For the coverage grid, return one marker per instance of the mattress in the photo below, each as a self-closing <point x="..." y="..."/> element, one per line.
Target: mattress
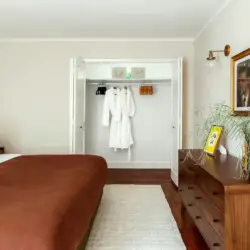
<point x="47" y="202"/>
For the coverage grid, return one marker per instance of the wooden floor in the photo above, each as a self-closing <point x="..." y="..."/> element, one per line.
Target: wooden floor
<point x="138" y="176"/>
<point x="190" y="235"/>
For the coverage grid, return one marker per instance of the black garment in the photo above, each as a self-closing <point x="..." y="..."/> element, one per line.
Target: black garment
<point x="101" y="90"/>
<point x="240" y="99"/>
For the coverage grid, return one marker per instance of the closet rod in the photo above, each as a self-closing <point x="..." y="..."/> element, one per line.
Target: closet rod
<point x="127" y="81"/>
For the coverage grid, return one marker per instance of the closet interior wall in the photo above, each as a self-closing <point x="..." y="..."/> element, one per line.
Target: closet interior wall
<point x="151" y="125"/>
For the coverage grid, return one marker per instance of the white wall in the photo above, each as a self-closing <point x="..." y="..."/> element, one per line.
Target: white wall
<point x="151" y="125"/>
<point x="213" y="85"/>
<point x="34" y="88"/>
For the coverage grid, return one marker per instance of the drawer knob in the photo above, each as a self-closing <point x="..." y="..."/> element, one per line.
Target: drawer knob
<point x="181" y="190"/>
<point x="190" y="188"/>
<point x="215" y="193"/>
<point x="216" y="220"/>
<point x="216" y="244"/>
<point x="198" y="197"/>
<point x="190" y="204"/>
<point x="198" y="217"/>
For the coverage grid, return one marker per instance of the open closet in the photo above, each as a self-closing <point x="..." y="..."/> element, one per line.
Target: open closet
<point x="156" y="123"/>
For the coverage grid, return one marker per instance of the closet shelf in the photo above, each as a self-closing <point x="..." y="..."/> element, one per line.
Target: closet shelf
<point x="128" y="81"/>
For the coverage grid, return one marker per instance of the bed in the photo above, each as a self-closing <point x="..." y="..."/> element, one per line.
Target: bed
<point x="48" y="202"/>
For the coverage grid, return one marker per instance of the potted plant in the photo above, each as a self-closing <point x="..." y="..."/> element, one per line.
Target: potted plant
<point x="235" y="128"/>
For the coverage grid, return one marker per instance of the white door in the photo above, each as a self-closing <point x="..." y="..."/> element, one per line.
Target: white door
<point x="79" y="91"/>
<point x="177" y="118"/>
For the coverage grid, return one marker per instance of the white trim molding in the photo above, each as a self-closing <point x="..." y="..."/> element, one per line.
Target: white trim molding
<point x="131" y="60"/>
<point x="212" y="18"/>
<point x="72" y="65"/>
<point x="82" y="40"/>
<point x="175" y="178"/>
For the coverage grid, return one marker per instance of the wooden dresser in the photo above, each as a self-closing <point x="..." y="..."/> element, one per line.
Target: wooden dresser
<point x="216" y="200"/>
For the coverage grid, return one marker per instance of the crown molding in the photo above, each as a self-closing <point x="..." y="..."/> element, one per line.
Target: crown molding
<point x="64" y="39"/>
<point x="212" y="18"/>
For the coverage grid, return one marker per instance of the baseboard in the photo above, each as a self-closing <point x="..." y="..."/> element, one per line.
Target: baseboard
<point x="139" y="165"/>
<point x="138" y="176"/>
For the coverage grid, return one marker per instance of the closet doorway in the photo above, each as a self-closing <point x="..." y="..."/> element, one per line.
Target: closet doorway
<point x="156" y="124"/>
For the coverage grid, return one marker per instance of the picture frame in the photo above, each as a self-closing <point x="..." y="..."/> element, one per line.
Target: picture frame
<point x="213" y="139"/>
<point x="138" y="72"/>
<point x="240" y="83"/>
<point x="119" y="73"/>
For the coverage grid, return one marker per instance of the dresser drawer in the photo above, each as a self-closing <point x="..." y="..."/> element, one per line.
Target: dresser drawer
<point x="192" y="196"/>
<point x="187" y="195"/>
<point x="188" y="173"/>
<point x="212" y="189"/>
<point x="210" y="212"/>
<point x="212" y="238"/>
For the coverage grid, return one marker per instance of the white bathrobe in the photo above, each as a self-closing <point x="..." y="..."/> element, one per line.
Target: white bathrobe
<point x="127" y="112"/>
<point x="120" y="105"/>
<point x="112" y="106"/>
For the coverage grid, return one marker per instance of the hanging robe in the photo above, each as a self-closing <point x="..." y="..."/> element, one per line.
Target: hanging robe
<point x="112" y="106"/>
<point x="127" y="112"/>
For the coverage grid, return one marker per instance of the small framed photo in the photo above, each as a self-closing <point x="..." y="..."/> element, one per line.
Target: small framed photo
<point x="119" y="73"/>
<point x="240" y="83"/>
<point x="138" y="73"/>
<point x="213" y="139"/>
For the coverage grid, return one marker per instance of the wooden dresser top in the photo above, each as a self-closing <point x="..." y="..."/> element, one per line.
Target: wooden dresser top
<point x="225" y="169"/>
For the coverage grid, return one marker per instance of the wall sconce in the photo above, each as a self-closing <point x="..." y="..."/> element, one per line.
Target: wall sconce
<point x="212" y="58"/>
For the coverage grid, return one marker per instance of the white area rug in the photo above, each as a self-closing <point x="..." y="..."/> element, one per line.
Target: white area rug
<point x="133" y="217"/>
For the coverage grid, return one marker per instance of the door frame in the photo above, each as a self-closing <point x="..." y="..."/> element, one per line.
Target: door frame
<point x="72" y="75"/>
<point x="179" y="125"/>
<point x="72" y="93"/>
<point x="72" y="81"/>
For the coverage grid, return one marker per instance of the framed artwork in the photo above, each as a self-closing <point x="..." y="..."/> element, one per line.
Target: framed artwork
<point x="240" y="83"/>
<point x="119" y="72"/>
<point x="138" y="72"/>
<point x="213" y="139"/>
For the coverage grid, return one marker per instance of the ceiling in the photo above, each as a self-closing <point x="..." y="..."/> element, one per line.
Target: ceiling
<point x="105" y="18"/>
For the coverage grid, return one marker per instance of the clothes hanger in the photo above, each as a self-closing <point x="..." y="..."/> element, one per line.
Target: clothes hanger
<point x="101" y="89"/>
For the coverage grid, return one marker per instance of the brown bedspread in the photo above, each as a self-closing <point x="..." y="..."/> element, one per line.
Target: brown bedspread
<point x="47" y="202"/>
